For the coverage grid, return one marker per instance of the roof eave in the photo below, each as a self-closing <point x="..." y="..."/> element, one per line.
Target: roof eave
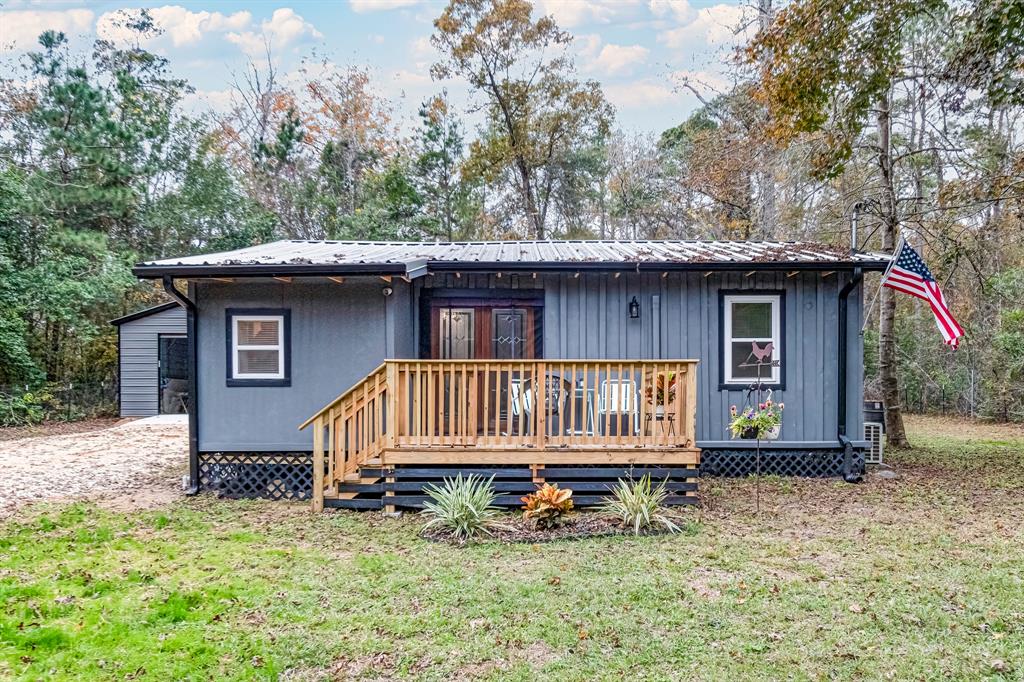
<point x="420" y="268"/>
<point x="267" y="270"/>
<point x="117" y="322"/>
<point x="649" y="266"/>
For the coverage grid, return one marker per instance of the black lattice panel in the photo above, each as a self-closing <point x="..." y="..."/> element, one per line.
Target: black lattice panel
<point x="806" y="463"/>
<point x="263" y="475"/>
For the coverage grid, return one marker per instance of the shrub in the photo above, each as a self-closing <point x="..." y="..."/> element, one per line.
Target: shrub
<point x="640" y="505"/>
<point x="548" y="507"/>
<point x="464" y="506"/>
<point x="23" y="409"/>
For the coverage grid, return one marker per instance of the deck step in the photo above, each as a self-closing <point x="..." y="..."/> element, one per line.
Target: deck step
<point x="375" y="487"/>
<point x="355" y="503"/>
<point x="514" y="501"/>
<point x="528" y="486"/>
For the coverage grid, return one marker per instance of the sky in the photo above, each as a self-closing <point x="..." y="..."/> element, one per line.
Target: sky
<point x="641" y="51"/>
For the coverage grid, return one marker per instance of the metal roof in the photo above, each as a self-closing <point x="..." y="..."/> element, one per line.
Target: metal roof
<point x="144" y="313"/>
<point x="417" y="258"/>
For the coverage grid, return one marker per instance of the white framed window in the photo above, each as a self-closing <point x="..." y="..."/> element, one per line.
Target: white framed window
<point x="258" y="347"/>
<point x="749" y="319"/>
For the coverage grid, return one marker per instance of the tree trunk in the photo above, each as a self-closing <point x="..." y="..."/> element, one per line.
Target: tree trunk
<point x="767" y="214"/>
<point x="895" y="434"/>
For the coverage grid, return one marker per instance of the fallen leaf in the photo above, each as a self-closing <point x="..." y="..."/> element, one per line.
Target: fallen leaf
<point x="856" y="608"/>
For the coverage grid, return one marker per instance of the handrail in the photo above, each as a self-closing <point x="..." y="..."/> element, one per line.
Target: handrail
<point x="326" y="408"/>
<point x="504" y="411"/>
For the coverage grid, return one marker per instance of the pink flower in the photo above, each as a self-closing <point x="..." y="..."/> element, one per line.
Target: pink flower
<point x="732" y="410"/>
<point x="782" y="406"/>
<point x="768" y="402"/>
<point x="760" y="406"/>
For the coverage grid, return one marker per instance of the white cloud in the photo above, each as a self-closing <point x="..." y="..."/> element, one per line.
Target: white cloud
<point x="587" y="46"/>
<point x="679" y="10"/>
<point x="615" y="60"/>
<point x="412" y="80"/>
<point x="641" y="94"/>
<point x="207" y="101"/>
<point x="376" y="38"/>
<point x="714" y="26"/>
<point x="21" y="28"/>
<point x="284" y="28"/>
<point x="572" y="13"/>
<point x="182" y="26"/>
<point x="363" y="6"/>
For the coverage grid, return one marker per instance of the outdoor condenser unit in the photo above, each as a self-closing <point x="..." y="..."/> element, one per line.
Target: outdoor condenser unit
<point x="874" y="435"/>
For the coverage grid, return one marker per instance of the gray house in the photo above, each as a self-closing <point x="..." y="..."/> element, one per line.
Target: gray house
<point x="573" y="361"/>
<point x="152" y="361"/>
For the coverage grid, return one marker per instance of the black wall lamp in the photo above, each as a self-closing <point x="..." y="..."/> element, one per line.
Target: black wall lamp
<point x="634" y="309"/>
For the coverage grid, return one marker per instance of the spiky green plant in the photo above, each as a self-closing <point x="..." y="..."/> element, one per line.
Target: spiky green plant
<point x="464" y="506"/>
<point x="640" y="505"/>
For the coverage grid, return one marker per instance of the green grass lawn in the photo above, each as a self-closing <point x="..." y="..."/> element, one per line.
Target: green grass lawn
<point x="921" y="577"/>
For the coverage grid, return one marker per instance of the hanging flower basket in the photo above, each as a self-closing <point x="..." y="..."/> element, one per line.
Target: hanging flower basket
<point x="764" y="422"/>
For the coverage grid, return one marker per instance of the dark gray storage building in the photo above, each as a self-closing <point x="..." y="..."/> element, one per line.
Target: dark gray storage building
<point x="153" y="361"/>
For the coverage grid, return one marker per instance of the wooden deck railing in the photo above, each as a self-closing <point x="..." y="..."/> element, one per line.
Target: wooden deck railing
<point x="506" y="412"/>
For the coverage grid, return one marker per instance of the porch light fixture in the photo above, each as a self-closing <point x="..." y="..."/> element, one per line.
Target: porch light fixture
<point x="634" y="309"/>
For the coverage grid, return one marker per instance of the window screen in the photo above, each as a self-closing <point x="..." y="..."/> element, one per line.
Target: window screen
<point x="751" y="320"/>
<point x="258" y="347"/>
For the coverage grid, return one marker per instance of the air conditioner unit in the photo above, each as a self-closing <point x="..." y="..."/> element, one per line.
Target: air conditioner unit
<point x="874" y="435"/>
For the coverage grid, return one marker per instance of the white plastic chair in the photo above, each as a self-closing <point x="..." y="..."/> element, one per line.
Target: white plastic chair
<point x="520" y="399"/>
<point x="618" y="397"/>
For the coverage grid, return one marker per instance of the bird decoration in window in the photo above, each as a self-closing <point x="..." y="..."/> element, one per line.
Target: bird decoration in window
<point x="761" y="356"/>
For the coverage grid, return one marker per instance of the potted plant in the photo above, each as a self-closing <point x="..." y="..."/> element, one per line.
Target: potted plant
<point x="662" y="393"/>
<point x="764" y="422"/>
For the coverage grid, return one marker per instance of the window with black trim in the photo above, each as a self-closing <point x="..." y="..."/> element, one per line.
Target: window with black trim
<point x="258" y="352"/>
<point x="751" y="320"/>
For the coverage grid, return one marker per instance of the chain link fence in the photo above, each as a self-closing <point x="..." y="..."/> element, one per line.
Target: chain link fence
<point x="21" y="405"/>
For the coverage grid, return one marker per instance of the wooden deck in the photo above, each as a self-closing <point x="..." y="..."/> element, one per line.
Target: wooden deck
<point x="532" y="413"/>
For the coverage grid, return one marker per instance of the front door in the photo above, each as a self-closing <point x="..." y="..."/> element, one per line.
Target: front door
<point x="484" y="330"/>
<point x="487" y="329"/>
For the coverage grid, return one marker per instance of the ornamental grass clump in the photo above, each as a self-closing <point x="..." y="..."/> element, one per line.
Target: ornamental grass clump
<point x="462" y="506"/>
<point x="640" y="506"/>
<point x="548" y="507"/>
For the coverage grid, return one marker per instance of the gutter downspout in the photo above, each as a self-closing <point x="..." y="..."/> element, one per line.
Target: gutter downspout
<point x="841" y="410"/>
<point x="193" y="382"/>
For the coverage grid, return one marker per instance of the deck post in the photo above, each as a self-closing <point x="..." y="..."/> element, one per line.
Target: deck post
<point x="391" y="418"/>
<point x="540" y="409"/>
<point x="391" y="421"/>
<point x="690" y="418"/>
<point x="318" y="465"/>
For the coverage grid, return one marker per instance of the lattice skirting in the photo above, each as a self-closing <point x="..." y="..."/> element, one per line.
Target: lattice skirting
<point x="264" y="475"/>
<point x="808" y="463"/>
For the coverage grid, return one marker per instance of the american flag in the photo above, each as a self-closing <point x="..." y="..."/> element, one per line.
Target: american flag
<point x="909" y="274"/>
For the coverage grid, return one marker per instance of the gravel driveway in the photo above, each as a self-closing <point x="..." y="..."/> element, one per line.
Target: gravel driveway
<point x="133" y="465"/>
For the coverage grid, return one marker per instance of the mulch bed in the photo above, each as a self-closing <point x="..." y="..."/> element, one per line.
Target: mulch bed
<point x="56" y="428"/>
<point x="577" y="527"/>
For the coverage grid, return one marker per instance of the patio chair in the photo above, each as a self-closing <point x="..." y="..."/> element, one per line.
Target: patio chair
<point x="521" y="398"/>
<point x="618" y="399"/>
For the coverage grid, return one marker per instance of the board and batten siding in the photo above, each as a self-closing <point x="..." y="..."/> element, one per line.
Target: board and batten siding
<point x="339" y="333"/>
<point x="139" y="360"/>
<point x="586" y="317"/>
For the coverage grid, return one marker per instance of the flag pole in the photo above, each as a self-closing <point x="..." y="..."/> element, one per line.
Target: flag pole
<point x="874" y="299"/>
